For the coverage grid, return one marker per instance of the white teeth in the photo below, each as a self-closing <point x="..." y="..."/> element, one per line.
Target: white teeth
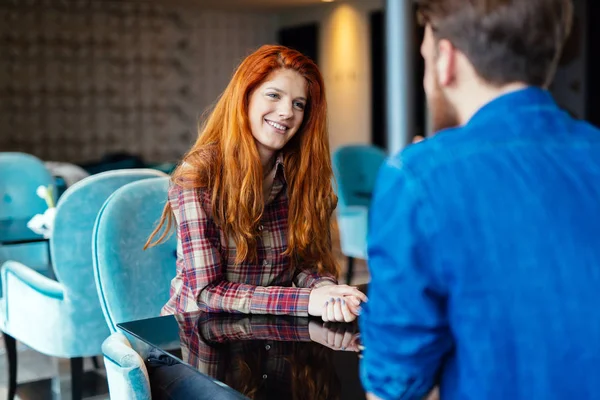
<point x="276" y="125"/>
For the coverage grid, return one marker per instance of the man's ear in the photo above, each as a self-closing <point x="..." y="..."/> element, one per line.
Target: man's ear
<point x="446" y="62"/>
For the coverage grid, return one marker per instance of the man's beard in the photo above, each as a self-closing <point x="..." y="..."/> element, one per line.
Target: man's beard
<point x="443" y="112"/>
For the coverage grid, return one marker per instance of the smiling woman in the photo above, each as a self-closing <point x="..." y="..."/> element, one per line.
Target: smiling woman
<point x="252" y="202"/>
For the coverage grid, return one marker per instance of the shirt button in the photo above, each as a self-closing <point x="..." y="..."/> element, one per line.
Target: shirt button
<point x="260" y="228"/>
<point x="264" y="376"/>
<point x="268" y="347"/>
<point x="265" y="263"/>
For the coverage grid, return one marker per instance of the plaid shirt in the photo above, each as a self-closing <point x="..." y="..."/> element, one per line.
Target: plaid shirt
<point x="207" y="278"/>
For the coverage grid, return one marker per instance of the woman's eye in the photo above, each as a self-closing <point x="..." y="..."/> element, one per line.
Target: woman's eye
<point x="273" y="95"/>
<point x="299" y="106"/>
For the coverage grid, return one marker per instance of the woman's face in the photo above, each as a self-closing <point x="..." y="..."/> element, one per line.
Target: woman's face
<point x="276" y="111"/>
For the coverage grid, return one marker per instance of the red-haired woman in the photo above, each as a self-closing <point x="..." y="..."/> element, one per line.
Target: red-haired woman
<point x="253" y="198"/>
<point x="252" y="201"/>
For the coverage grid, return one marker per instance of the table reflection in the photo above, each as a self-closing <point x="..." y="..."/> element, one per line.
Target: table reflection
<point x="266" y="357"/>
<point x="16" y="231"/>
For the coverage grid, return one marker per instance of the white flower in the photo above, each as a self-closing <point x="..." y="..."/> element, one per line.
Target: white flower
<point x="42" y="192"/>
<point x="43" y="224"/>
<point x="45" y="193"/>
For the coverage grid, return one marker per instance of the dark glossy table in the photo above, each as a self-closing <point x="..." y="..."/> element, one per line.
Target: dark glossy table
<point x="262" y="357"/>
<point x="15" y="232"/>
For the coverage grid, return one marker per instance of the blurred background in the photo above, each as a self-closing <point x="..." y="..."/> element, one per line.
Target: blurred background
<point x="82" y="80"/>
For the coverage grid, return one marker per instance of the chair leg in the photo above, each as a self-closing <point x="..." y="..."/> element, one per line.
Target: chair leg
<point x="76" y="378"/>
<point x="96" y="362"/>
<point x="11" y="352"/>
<point x="350" y="270"/>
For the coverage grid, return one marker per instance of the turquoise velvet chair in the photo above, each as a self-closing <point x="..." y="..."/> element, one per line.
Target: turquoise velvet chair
<point x="355" y="169"/>
<point x="20" y="176"/>
<point x="63" y="317"/>
<point x="132" y="283"/>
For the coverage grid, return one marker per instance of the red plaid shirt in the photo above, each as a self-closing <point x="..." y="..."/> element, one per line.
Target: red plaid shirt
<point x="207" y="278"/>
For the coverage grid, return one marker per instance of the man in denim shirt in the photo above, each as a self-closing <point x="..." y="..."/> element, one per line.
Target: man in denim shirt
<point x="484" y="241"/>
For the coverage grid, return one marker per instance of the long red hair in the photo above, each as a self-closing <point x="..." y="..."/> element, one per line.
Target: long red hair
<point x="225" y="160"/>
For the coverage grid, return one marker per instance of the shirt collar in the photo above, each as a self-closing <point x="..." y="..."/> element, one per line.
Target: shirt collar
<point x="279" y="181"/>
<point x="507" y="103"/>
<point x="280" y="170"/>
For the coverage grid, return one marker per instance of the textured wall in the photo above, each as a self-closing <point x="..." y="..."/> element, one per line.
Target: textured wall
<point x="82" y="78"/>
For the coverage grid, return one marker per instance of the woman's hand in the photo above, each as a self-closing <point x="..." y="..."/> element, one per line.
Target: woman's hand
<point x="337" y="309"/>
<point x="339" y="303"/>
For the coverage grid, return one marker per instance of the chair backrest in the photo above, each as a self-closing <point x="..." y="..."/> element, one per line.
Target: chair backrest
<point x="355" y="169"/>
<point x="71" y="241"/>
<point x="133" y="283"/>
<point x="20" y="176"/>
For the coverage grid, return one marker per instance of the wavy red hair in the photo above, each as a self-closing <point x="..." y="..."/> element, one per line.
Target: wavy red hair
<point x="225" y="160"/>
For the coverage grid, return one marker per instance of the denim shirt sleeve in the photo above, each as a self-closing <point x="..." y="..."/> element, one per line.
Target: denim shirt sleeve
<point x="403" y="327"/>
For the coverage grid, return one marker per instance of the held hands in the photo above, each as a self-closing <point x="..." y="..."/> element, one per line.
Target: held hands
<point x="336" y="303"/>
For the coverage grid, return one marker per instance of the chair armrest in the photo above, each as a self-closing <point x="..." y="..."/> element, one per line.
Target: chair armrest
<point x="38" y="282"/>
<point x="125" y="369"/>
<point x="118" y="349"/>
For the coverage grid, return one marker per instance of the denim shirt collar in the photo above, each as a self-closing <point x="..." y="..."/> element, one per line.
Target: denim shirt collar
<point x="510" y="102"/>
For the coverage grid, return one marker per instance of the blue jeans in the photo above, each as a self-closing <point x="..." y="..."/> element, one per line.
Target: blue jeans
<point x="172" y="380"/>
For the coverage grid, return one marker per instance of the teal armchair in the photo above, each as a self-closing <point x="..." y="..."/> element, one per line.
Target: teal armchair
<point x="355" y="169"/>
<point x="132" y="283"/>
<point x="20" y="176"/>
<point x="63" y="317"/>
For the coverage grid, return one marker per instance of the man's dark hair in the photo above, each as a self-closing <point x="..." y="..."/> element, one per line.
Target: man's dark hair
<point x="506" y="41"/>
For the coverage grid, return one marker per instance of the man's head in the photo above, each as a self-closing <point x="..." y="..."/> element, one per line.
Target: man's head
<point x="475" y="50"/>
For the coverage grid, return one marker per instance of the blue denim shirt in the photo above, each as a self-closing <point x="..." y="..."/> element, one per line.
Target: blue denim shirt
<point x="484" y="253"/>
